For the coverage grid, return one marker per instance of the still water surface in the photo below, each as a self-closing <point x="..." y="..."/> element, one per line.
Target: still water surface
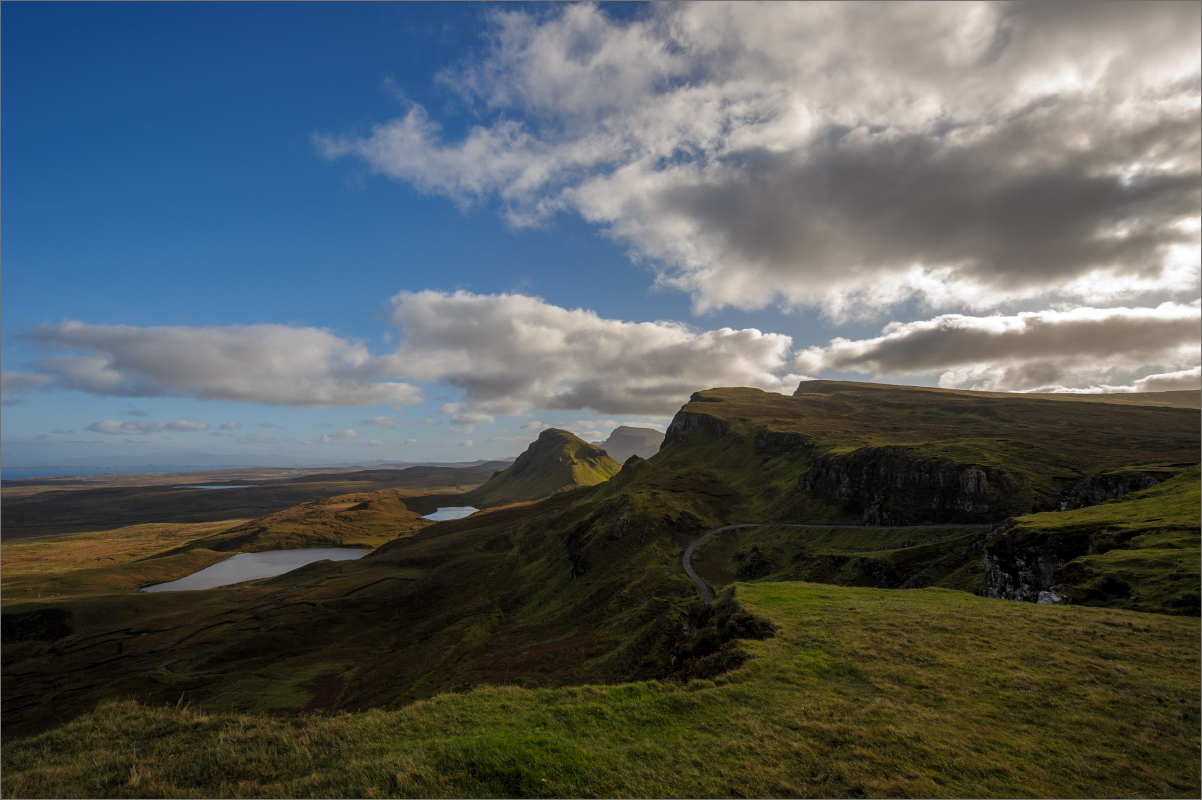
<point x="451" y="512"/>
<point x="251" y="566"/>
<point x="243" y="486"/>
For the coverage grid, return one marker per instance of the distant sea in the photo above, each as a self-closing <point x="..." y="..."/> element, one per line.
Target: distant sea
<point x="83" y="472"/>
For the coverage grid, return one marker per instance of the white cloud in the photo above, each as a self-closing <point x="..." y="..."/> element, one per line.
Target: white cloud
<point x="1186" y="379"/>
<point x="114" y="427"/>
<point x="331" y="438"/>
<point x="849" y="156"/>
<point x="259" y="363"/>
<point x="534" y="425"/>
<point x="230" y="426"/>
<point x="472" y="419"/>
<point x="272" y="425"/>
<point x="509" y="353"/>
<point x="383" y="422"/>
<point x="1029" y="351"/>
<point x="467" y="443"/>
<point x="411" y="441"/>
<point x="258" y="438"/>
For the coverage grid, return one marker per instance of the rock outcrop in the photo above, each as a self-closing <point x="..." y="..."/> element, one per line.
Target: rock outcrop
<point x="1097" y="489"/>
<point x="889" y="486"/>
<point x="685" y="423"/>
<point x="1027" y="568"/>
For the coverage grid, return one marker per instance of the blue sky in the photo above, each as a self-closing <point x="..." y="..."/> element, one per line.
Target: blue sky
<point x="462" y="219"/>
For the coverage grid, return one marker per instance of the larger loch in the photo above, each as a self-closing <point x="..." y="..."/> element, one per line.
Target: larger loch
<point x="252" y="566"/>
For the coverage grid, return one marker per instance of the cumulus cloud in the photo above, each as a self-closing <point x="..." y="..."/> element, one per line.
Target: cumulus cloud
<point x="114" y="427"/>
<point x="1040" y="351"/>
<point x="534" y="425"/>
<point x="14" y="383"/>
<point x="1185" y="379"/>
<point x="331" y="438"/>
<point x="229" y="426"/>
<point x="509" y="353"/>
<point x="849" y="156"/>
<point x="260" y="363"/>
<point x="383" y="422"/>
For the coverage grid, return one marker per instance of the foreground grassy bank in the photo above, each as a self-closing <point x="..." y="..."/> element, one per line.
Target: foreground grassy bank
<point x="861" y="692"/>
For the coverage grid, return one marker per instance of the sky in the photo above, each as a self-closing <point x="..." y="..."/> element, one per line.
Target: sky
<point x="424" y="232"/>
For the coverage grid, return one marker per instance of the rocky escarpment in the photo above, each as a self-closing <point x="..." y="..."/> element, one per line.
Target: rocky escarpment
<point x="1027" y="568"/>
<point x="1097" y="489"/>
<point x="685" y="423"/>
<point x="889" y="486"/>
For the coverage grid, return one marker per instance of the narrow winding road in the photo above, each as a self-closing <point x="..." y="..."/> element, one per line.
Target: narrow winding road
<point x="708" y="598"/>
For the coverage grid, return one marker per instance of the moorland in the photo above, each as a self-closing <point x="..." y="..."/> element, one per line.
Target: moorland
<point x="998" y="596"/>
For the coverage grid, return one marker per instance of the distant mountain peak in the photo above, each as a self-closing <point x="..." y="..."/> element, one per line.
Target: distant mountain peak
<point x="628" y="440"/>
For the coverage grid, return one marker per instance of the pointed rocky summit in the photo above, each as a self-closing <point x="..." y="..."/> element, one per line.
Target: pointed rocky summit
<point x="556" y="461"/>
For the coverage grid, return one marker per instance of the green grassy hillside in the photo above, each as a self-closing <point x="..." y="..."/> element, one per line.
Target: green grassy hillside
<point x="583" y="587"/>
<point x="556" y="461"/>
<point x="861" y="692"/>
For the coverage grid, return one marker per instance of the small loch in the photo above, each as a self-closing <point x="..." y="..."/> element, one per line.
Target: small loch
<point x="252" y="566"/>
<point x="451" y="512"/>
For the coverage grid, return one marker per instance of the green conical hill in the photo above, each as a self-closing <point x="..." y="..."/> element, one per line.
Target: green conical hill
<point x="557" y="460"/>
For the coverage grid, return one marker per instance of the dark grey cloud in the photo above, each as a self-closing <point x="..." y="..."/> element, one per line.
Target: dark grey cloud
<point x="13" y="384"/>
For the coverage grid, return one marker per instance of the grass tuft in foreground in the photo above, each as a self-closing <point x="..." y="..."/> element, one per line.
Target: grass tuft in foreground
<point x="928" y="692"/>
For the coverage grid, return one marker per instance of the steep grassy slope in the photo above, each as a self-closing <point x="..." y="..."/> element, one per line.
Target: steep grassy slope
<point x="861" y="692"/>
<point x="56" y="512"/>
<point x="556" y="461"/>
<point x="886" y="558"/>
<point x="1141" y="552"/>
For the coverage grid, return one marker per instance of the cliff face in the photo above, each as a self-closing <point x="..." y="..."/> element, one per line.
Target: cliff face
<point x="889" y="486"/>
<point x="1027" y="568"/>
<point x="1097" y="489"/>
<point x="686" y="422"/>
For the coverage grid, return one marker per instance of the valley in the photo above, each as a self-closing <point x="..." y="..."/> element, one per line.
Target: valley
<point x="912" y="613"/>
